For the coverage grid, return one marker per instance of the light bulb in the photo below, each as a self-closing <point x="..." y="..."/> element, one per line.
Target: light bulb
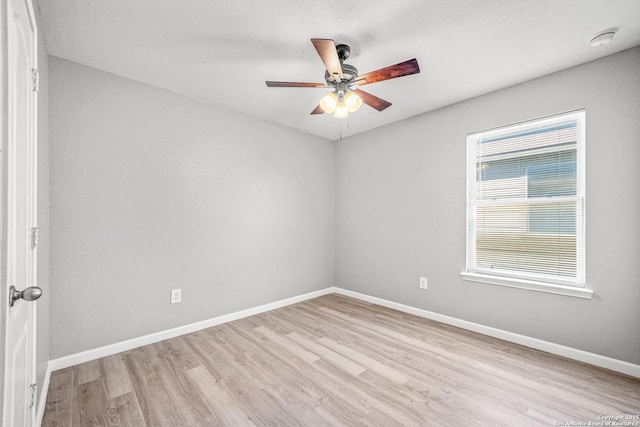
<point x="329" y="102"/>
<point x="353" y="101"/>
<point x="341" y="111"/>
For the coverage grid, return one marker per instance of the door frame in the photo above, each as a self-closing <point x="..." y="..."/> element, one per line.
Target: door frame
<point x="5" y="65"/>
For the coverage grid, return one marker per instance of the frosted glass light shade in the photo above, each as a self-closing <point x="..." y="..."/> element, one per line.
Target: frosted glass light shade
<point x="353" y="101"/>
<point x="329" y="102"/>
<point x="341" y="111"/>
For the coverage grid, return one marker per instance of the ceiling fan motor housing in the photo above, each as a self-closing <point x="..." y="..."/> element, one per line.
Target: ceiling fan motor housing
<point x="343" y="51"/>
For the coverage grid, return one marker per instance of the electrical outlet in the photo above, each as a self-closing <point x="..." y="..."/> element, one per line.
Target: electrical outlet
<point x="176" y="296"/>
<point x="423" y="283"/>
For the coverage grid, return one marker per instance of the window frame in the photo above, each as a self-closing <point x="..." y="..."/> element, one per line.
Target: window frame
<point x="571" y="287"/>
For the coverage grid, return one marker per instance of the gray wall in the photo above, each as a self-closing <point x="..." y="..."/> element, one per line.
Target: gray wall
<point x="152" y="191"/>
<point x="400" y="210"/>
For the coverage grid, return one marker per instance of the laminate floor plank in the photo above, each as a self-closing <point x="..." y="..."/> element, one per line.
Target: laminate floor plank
<point x="60" y="393"/>
<point x="90" y="409"/>
<point x="318" y="395"/>
<point x="187" y="401"/>
<point x="223" y="406"/>
<point x="341" y="362"/>
<point x="125" y="411"/>
<point x="364" y="360"/>
<point x="275" y="377"/>
<point x="156" y="405"/>
<point x="246" y="386"/>
<point x="87" y="372"/>
<point x="372" y="399"/>
<point x="59" y="399"/>
<point x="288" y="345"/>
<point x="332" y="398"/>
<point x="116" y="377"/>
<point x="330" y="379"/>
<point x="335" y="361"/>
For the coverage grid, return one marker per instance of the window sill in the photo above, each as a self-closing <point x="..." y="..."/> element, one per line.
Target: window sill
<point x="572" y="291"/>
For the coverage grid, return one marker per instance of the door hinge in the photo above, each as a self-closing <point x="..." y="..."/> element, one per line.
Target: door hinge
<point x="34" y="237"/>
<point x="36" y="79"/>
<point x="34" y="392"/>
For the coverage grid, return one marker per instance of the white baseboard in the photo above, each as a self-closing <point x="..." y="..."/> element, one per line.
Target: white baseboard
<point x="42" y="400"/>
<point x="557" y="349"/>
<point x="560" y="350"/>
<point x="108" y="350"/>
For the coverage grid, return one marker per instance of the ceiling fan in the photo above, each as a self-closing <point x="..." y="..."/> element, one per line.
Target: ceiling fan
<point x="346" y="96"/>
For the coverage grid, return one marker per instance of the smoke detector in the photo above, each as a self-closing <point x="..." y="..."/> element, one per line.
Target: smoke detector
<point x="603" y="38"/>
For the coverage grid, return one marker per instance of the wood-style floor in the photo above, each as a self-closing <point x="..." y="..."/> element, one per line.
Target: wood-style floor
<point x="336" y="361"/>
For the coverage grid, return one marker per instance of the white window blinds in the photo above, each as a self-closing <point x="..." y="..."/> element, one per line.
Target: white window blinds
<point x="525" y="201"/>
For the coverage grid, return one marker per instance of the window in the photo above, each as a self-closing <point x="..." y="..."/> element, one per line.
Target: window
<point x="525" y="205"/>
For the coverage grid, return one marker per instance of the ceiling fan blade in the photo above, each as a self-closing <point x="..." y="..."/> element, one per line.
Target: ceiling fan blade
<point x="294" y="84"/>
<point x="327" y="50"/>
<point x="372" y="100"/>
<point x="318" y="110"/>
<point x="405" y="68"/>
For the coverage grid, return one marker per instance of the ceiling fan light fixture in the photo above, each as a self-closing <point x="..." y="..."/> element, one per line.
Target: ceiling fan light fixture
<point x="329" y="102"/>
<point x="346" y="97"/>
<point x="353" y="101"/>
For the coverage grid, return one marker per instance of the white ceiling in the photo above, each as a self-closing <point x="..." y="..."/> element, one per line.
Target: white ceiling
<point x="222" y="51"/>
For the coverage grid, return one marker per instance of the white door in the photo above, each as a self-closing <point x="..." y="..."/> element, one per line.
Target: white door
<point x="19" y="213"/>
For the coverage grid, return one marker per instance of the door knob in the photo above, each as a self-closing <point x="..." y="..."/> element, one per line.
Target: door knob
<point x="31" y="293"/>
